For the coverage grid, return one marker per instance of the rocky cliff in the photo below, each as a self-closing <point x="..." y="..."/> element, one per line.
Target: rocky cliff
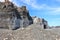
<point x="13" y="17"/>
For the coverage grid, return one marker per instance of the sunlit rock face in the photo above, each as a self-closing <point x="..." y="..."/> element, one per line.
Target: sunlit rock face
<point x="12" y="17"/>
<point x="4" y="0"/>
<point x="42" y="22"/>
<point x="8" y="16"/>
<point x="26" y="18"/>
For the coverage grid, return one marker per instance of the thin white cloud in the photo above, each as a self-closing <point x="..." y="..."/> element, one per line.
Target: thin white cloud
<point x="1" y="0"/>
<point x="11" y="1"/>
<point x="35" y="5"/>
<point x="53" y="11"/>
<point x="4" y="0"/>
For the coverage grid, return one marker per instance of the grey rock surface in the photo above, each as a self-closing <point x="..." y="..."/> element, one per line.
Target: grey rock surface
<point x="10" y="16"/>
<point x="33" y="32"/>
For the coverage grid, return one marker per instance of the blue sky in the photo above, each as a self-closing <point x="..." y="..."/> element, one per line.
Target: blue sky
<point x="47" y="9"/>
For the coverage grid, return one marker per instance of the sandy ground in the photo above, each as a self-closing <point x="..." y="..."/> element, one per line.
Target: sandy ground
<point x="33" y="32"/>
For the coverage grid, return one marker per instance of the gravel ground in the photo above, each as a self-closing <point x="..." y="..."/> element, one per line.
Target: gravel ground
<point x="33" y="32"/>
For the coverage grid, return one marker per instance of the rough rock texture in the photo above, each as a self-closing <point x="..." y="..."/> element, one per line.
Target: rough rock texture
<point x="33" y="32"/>
<point x="24" y="13"/>
<point x="12" y="18"/>
<point x="43" y="23"/>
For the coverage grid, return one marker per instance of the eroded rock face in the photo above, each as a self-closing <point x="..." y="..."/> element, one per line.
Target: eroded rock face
<point x="43" y="23"/>
<point x="26" y="18"/>
<point x="13" y="18"/>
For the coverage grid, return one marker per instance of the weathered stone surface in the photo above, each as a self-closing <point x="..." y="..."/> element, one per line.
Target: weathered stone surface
<point x="26" y="18"/>
<point x="13" y="17"/>
<point x="43" y="23"/>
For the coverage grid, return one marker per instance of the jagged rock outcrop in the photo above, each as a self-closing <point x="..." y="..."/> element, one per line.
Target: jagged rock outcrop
<point x="13" y="17"/>
<point x="43" y="23"/>
<point x="24" y="13"/>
